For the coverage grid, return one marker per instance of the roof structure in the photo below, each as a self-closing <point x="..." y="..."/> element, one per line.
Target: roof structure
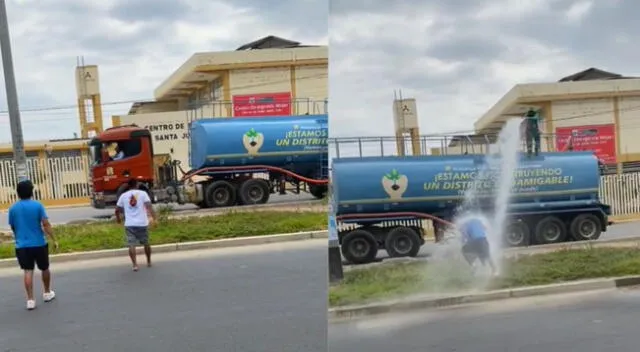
<point x="592" y="74"/>
<point x="269" y="42"/>
<point x="270" y="51"/>
<point x="590" y="83"/>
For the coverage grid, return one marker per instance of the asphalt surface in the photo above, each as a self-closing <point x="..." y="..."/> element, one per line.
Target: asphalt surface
<point x="66" y="215"/>
<point x="586" y="322"/>
<point x="260" y="298"/>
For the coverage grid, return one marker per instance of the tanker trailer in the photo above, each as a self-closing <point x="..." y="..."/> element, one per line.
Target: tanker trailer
<point x="227" y="156"/>
<point x="383" y="202"/>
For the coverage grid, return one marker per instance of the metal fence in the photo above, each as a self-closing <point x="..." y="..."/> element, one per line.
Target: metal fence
<point x="439" y="145"/>
<point x="622" y="192"/>
<point x="428" y="145"/>
<point x="54" y="178"/>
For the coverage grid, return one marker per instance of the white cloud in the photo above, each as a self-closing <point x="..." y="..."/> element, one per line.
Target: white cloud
<point x="578" y="11"/>
<point x="510" y="9"/>
<point x="136" y="44"/>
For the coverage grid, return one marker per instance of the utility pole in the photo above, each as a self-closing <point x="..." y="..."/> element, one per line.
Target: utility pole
<point x="19" y="156"/>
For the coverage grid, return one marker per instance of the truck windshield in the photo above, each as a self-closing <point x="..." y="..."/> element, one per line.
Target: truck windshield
<point x="96" y="154"/>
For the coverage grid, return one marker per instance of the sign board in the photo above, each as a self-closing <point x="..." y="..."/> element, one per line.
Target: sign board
<point x="405" y="114"/>
<point x="268" y="104"/>
<point x="168" y="130"/>
<point x="87" y="81"/>
<point x="600" y="139"/>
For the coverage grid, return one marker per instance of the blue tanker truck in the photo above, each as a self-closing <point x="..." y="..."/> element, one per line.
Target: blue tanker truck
<point x="233" y="161"/>
<point x="382" y="202"/>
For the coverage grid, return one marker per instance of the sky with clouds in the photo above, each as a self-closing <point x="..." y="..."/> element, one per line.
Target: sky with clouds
<point x="136" y="44"/>
<point x="458" y="57"/>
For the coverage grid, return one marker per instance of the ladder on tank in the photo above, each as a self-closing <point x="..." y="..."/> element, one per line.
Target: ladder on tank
<point x="324" y="166"/>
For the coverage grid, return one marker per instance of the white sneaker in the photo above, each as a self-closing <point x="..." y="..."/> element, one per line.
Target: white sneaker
<point x="48" y="297"/>
<point x="31" y="304"/>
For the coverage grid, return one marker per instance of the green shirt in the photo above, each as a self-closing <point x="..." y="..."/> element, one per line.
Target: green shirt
<point x="533" y="121"/>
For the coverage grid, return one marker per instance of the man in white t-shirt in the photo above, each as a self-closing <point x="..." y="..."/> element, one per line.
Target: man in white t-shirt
<point x="138" y="211"/>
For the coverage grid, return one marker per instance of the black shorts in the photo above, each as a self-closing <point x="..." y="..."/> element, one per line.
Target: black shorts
<point x="29" y="257"/>
<point x="479" y="248"/>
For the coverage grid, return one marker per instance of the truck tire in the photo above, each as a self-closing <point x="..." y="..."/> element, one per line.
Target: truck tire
<point x="318" y="191"/>
<point x="517" y="234"/>
<point x="254" y="191"/>
<point x="149" y="193"/>
<point x="586" y="227"/>
<point x="359" y="247"/>
<point x="220" y="194"/>
<point x="550" y="230"/>
<point x="123" y="188"/>
<point x="402" y="242"/>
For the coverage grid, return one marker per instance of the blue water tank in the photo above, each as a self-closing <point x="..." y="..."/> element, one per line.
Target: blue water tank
<point x="429" y="184"/>
<point x="275" y="141"/>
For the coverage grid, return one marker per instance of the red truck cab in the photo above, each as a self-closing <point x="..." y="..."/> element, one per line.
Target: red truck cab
<point x="117" y="155"/>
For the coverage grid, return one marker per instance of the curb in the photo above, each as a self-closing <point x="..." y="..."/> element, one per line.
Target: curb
<point x="425" y="303"/>
<point x="619" y="219"/>
<point x="625" y="220"/>
<point x="184" y="246"/>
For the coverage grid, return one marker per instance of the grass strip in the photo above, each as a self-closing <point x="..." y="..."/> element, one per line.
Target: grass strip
<point x="109" y="235"/>
<point x="387" y="281"/>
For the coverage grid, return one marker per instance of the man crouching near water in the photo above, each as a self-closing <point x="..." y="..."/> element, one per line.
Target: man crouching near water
<point x="475" y="243"/>
<point x="138" y="215"/>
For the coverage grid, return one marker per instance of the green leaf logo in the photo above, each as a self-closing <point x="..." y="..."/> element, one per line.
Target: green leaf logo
<point x="394" y="176"/>
<point x="251" y="134"/>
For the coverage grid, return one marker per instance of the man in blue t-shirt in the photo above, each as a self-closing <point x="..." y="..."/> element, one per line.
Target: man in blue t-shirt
<point x="476" y="246"/>
<point x="29" y="223"/>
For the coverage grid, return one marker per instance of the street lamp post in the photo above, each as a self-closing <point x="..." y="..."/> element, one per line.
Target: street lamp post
<point x="19" y="155"/>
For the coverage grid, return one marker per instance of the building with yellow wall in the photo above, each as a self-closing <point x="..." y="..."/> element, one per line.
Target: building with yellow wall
<point x="605" y="104"/>
<point x="289" y="78"/>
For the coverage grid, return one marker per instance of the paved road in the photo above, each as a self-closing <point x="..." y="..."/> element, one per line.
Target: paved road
<point x="65" y="215"/>
<point x="586" y="322"/>
<point x="254" y="299"/>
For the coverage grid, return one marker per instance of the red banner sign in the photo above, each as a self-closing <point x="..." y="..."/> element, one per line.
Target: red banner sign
<point x="269" y="104"/>
<point x="600" y="139"/>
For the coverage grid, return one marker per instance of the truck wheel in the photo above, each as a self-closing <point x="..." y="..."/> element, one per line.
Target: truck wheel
<point x="149" y="193"/>
<point x="123" y="188"/>
<point x="220" y="194"/>
<point x="318" y="191"/>
<point x="254" y="191"/>
<point x="551" y="230"/>
<point x="359" y="247"/>
<point x="402" y="242"/>
<point x="586" y="227"/>
<point x="517" y="234"/>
